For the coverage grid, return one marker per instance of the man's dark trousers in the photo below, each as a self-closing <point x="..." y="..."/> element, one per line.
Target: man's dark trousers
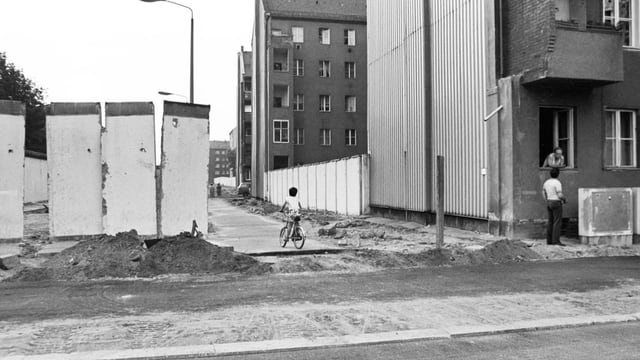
<point x="554" y="209"/>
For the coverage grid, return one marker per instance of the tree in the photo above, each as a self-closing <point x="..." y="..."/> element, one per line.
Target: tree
<point x="14" y="85"/>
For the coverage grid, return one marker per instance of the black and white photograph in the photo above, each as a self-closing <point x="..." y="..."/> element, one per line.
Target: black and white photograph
<point x="319" y="179"/>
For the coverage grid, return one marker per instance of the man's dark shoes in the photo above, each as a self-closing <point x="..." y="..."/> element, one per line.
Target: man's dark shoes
<point x="560" y="244"/>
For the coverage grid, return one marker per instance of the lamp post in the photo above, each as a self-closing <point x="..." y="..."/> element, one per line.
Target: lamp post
<point x="166" y="93"/>
<point x="191" y="57"/>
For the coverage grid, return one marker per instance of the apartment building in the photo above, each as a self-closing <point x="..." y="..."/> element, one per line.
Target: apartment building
<point x="218" y="160"/>
<point x="243" y="133"/>
<point x="309" y="84"/>
<point x="494" y="86"/>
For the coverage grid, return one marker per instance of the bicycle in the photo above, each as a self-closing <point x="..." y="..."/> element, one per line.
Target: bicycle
<point x="298" y="235"/>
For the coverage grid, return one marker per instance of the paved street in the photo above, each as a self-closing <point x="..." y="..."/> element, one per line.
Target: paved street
<point x="249" y="233"/>
<point x="618" y="341"/>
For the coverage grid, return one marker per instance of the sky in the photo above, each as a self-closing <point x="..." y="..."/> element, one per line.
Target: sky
<point x="128" y="50"/>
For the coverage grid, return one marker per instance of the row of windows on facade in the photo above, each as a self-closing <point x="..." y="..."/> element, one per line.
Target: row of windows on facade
<point x="558" y="129"/>
<point x="281" y="100"/>
<point x="280" y="63"/>
<point x="324" y="35"/>
<point x="219" y="152"/>
<point x="623" y="14"/>
<point x="281" y="135"/>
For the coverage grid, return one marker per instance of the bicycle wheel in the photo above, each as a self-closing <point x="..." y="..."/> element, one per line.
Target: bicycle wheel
<point x="298" y="238"/>
<point x="283" y="237"/>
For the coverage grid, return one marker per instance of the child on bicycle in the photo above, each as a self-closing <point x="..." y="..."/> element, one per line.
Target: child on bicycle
<point x="292" y="207"/>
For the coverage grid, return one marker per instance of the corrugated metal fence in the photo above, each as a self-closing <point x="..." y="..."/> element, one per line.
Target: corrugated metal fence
<point x="397" y="108"/>
<point x="341" y="186"/>
<point x="458" y="56"/>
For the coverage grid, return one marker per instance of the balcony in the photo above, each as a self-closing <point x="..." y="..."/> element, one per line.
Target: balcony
<point x="590" y="57"/>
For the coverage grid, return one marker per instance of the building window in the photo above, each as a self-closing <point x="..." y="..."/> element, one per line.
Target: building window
<point x="298" y="137"/>
<point x="325" y="68"/>
<point x="298" y="102"/>
<point x="325" y="137"/>
<point x="276" y="32"/>
<point x="350" y="137"/>
<point x="625" y="15"/>
<point x="217" y="159"/>
<point x="350" y="37"/>
<point x="217" y="166"/>
<point x="325" y="36"/>
<point x="247" y="131"/>
<point x="299" y="67"/>
<point x="325" y="103"/>
<point x="280" y="162"/>
<point x="350" y="70"/>
<point x="281" y="131"/>
<point x="557" y="129"/>
<point x="563" y="10"/>
<point x="620" y="139"/>
<point x="298" y="34"/>
<point x="350" y="103"/>
<point x="280" y="96"/>
<point x="217" y="172"/>
<point x="281" y="60"/>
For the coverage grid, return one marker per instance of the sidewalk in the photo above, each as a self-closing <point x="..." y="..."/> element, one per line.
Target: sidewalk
<point x="253" y="234"/>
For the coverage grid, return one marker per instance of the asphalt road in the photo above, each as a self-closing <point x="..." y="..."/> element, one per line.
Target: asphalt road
<point x="24" y="302"/>
<point x="618" y="341"/>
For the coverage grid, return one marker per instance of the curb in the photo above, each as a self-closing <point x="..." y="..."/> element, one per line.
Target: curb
<point x="300" y="252"/>
<point x="270" y="346"/>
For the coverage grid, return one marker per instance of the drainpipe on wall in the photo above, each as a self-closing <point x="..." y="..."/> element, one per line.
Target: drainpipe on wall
<point x="267" y="107"/>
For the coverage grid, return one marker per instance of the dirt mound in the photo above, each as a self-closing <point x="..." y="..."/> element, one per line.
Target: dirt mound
<point x="503" y="251"/>
<point x="500" y="252"/>
<point x="123" y="256"/>
<point x="363" y="260"/>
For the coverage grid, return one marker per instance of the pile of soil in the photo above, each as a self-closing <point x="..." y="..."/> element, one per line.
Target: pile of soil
<point x="500" y="252"/>
<point x="503" y="251"/>
<point x="123" y="256"/>
<point x="254" y="206"/>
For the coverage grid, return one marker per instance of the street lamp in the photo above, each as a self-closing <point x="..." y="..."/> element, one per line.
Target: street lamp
<point x="166" y="93"/>
<point x="191" y="67"/>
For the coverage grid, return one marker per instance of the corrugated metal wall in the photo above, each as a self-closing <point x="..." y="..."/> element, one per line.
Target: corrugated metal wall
<point x="397" y="107"/>
<point x="415" y="114"/>
<point x="458" y="59"/>
<point x="337" y="186"/>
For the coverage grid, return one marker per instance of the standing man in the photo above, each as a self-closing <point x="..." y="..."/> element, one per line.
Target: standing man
<point x="552" y="191"/>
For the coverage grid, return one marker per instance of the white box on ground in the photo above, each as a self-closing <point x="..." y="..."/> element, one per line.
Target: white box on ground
<point x="12" y="123"/>
<point x="128" y="169"/>
<point x="184" y="170"/>
<point x="75" y="171"/>
<point x="606" y="216"/>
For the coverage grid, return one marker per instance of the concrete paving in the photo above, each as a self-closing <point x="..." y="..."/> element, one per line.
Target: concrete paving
<point x="252" y="234"/>
<point x="615" y="341"/>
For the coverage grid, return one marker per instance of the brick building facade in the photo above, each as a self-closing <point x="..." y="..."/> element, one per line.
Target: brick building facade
<point x="309" y="84"/>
